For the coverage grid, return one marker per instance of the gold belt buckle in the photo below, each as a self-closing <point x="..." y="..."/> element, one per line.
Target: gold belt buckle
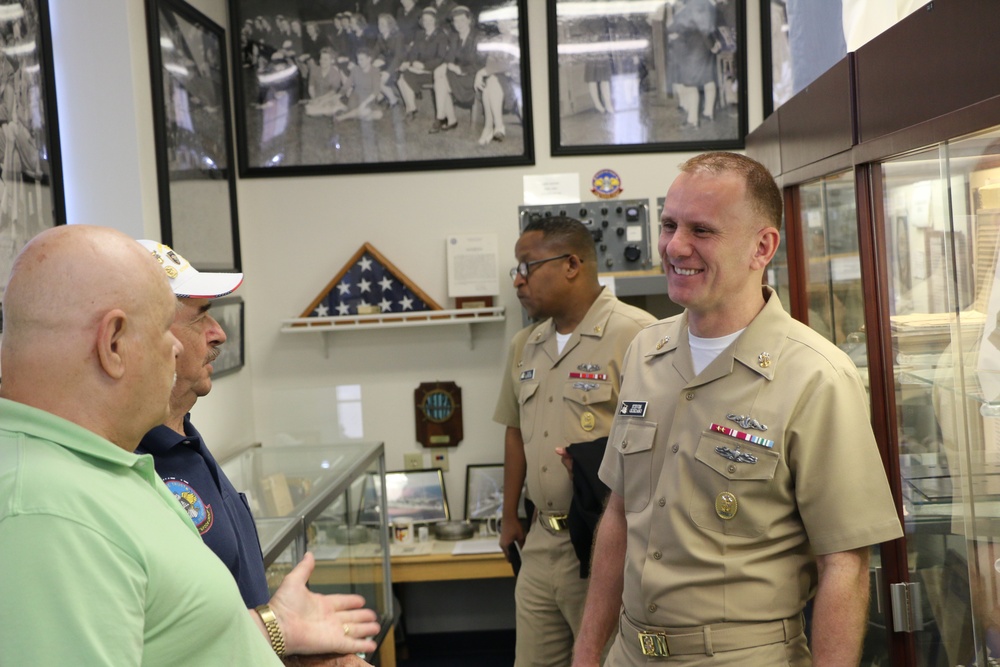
<point x="556" y="523"/>
<point x="654" y="644"/>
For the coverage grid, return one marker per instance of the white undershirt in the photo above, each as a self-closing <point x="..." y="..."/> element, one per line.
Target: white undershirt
<point x="561" y="340"/>
<point x="705" y="350"/>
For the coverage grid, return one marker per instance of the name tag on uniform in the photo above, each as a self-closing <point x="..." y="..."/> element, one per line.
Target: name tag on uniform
<point x="633" y="409"/>
<point x="528" y="375"/>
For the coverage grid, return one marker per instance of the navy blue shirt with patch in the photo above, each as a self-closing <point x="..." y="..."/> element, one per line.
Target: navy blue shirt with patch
<point x="221" y="514"/>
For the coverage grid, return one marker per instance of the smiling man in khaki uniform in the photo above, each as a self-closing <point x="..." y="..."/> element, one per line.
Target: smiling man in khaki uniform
<point x="560" y="387"/>
<point x="744" y="475"/>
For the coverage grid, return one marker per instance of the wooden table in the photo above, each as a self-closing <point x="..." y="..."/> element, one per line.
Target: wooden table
<point x="439" y="565"/>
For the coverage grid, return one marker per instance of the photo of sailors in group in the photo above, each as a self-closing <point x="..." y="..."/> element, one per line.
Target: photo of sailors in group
<point x="343" y="82"/>
<point x="647" y="72"/>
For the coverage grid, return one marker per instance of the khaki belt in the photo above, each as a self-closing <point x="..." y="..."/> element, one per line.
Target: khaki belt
<point x="554" y="523"/>
<point x="657" y="642"/>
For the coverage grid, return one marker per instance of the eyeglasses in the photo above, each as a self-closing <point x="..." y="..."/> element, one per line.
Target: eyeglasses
<point x="523" y="268"/>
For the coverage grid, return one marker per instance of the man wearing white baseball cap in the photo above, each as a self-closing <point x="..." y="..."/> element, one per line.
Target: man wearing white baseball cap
<point x="295" y="620"/>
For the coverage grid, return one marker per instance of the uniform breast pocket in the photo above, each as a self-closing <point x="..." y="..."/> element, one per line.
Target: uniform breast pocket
<point x="526" y="402"/>
<point x="587" y="410"/>
<point x="732" y="490"/>
<point x="635" y="444"/>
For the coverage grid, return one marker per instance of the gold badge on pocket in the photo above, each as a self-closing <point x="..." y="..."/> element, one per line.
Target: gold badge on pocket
<point x="587" y="421"/>
<point x="726" y="505"/>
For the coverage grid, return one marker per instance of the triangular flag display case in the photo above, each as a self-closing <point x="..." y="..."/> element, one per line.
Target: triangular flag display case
<point x="369" y="284"/>
<point x="369" y="291"/>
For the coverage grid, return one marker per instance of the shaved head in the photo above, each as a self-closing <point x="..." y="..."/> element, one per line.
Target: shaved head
<point x="87" y="313"/>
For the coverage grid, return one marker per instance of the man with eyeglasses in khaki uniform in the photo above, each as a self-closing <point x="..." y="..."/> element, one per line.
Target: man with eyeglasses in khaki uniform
<point x="560" y="387"/>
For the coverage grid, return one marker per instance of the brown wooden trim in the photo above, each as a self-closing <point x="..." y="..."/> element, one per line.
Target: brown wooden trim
<point x="875" y="273"/>
<point x="798" y="298"/>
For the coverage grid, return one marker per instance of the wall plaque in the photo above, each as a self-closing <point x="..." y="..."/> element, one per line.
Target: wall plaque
<point x="438" y="414"/>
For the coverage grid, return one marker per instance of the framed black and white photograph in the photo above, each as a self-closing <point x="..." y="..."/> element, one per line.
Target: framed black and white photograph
<point x="194" y="147"/>
<point x="418" y="495"/>
<point x="361" y="86"/>
<point x="631" y="76"/>
<point x="228" y="312"/>
<point x="31" y="191"/>
<point x="483" y="491"/>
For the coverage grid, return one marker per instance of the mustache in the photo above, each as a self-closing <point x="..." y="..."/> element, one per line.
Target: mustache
<point x="213" y="354"/>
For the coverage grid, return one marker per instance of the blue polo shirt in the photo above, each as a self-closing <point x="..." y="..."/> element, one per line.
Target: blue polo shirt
<point x="220" y="513"/>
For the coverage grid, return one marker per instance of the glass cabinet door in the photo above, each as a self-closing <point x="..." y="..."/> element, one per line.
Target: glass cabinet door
<point x="941" y="215"/>
<point x="828" y="220"/>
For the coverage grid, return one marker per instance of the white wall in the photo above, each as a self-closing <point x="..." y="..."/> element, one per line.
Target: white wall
<point x="298" y="232"/>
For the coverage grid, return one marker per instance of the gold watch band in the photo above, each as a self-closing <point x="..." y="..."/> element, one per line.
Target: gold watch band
<point x="273" y="629"/>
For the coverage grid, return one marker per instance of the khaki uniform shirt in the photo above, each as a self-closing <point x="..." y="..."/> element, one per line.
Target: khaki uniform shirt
<point x="554" y="409"/>
<point x="715" y="536"/>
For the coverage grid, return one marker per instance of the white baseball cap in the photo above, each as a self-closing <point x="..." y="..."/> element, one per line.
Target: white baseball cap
<point x="185" y="280"/>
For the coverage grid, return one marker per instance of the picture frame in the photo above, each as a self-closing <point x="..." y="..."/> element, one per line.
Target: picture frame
<point x="189" y="72"/>
<point x="305" y="105"/>
<point x="484" y="492"/>
<point x="418" y="495"/>
<point x="31" y="191"/>
<point x="635" y="76"/>
<point x="228" y="312"/>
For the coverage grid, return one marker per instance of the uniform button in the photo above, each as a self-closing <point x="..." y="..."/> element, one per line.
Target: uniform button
<point x="675" y="448"/>
<point x="657" y="555"/>
<point x="651" y="608"/>
<point x="585" y="399"/>
<point x="624" y="444"/>
<point x="545" y="468"/>
<point x="550" y="399"/>
<point x="689" y="396"/>
<point x="731" y="469"/>
<point x="662" y="501"/>
<point x="546" y="434"/>
<point x="549" y="503"/>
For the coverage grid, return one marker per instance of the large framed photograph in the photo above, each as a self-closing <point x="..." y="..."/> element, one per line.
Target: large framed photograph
<point x="630" y="76"/>
<point x="418" y="495"/>
<point x="341" y="86"/>
<point x="228" y="312"/>
<point x="31" y="189"/>
<point x="194" y="148"/>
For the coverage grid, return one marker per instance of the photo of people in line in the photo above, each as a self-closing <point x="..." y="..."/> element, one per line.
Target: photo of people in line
<point x="634" y="73"/>
<point x="342" y="82"/>
<point x="26" y="196"/>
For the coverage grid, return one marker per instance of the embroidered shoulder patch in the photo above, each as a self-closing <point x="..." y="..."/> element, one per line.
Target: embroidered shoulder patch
<point x="200" y="513"/>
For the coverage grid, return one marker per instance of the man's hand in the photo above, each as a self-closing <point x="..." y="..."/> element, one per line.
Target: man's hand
<point x="567" y="460"/>
<point x="330" y="660"/>
<point x="510" y="531"/>
<point x="314" y="623"/>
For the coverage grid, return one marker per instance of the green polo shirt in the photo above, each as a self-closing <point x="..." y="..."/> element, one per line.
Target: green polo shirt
<point x="100" y="565"/>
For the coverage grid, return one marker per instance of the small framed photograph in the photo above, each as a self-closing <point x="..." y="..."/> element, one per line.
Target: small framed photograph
<point x="228" y="312"/>
<point x="484" y="492"/>
<point x="630" y="76"/>
<point x="384" y="85"/>
<point x="418" y="495"/>
<point x="194" y="148"/>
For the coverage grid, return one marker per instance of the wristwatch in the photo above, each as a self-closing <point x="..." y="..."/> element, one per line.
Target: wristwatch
<point x="273" y="629"/>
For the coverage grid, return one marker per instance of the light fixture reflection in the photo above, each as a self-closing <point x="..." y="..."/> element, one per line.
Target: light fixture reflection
<point x="612" y="8"/>
<point x="604" y="47"/>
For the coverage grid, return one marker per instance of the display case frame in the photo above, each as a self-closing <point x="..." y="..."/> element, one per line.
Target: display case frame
<point x="293" y="490"/>
<point x="882" y="102"/>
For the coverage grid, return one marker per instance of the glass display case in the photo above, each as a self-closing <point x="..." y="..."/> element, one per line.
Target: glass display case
<point x="307" y="498"/>
<point x="890" y="167"/>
